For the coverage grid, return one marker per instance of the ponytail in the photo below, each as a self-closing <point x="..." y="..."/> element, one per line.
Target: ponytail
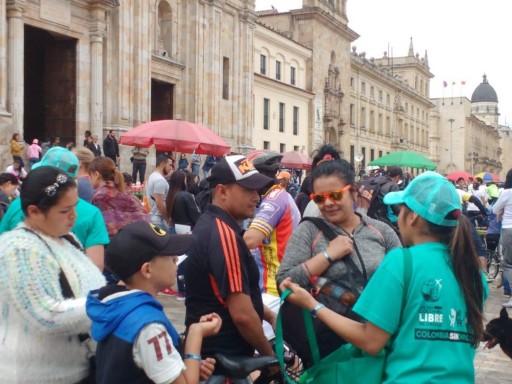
<point x="106" y="167"/>
<point x="467" y="272"/>
<point x="119" y="180"/>
<point x="466" y="269"/>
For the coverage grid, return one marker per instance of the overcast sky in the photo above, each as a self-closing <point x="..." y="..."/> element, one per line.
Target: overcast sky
<point x="464" y="39"/>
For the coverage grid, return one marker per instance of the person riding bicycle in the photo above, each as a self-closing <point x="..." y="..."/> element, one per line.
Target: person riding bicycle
<point x="220" y="271"/>
<point x="267" y="235"/>
<point x="136" y="341"/>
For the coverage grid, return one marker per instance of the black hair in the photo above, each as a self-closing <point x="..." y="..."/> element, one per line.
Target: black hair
<point x="178" y="183"/>
<point x="33" y="190"/>
<point x="8" y="177"/>
<point x="466" y="268"/>
<point x="393" y="171"/>
<point x="508" y="179"/>
<point x="320" y="153"/>
<point x="306" y="186"/>
<point x="341" y="168"/>
<point x="128" y="179"/>
<point x="162" y="158"/>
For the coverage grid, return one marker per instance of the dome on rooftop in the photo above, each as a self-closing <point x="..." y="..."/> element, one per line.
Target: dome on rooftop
<point x="484" y="92"/>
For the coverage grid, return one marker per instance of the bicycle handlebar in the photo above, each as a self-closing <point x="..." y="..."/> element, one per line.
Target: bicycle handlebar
<point x="239" y="367"/>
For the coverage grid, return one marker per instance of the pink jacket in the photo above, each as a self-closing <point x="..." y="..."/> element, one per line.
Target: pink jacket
<point x="33" y="150"/>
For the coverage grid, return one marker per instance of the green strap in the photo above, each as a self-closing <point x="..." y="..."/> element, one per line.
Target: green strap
<point x="407" y="277"/>
<point x="279" y="340"/>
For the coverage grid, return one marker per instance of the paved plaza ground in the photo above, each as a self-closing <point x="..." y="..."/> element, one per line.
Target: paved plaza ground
<point x="492" y="366"/>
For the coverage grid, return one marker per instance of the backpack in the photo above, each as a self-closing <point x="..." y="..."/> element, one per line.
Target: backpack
<point x="376" y="206"/>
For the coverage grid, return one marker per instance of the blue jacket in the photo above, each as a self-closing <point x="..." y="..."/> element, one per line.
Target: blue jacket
<point x="115" y="326"/>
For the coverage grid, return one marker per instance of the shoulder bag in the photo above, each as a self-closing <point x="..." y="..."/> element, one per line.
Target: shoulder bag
<point x="292" y="317"/>
<point x="348" y="364"/>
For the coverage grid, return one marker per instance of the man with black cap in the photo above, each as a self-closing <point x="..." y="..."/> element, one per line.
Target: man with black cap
<point x="220" y="272"/>
<point x="136" y="341"/>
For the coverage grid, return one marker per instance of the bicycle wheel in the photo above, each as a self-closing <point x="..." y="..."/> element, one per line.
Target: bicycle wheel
<point x="493" y="265"/>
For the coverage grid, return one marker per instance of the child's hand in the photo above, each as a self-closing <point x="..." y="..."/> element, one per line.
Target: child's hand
<point x="300" y="296"/>
<point x="206" y="368"/>
<point x="210" y="324"/>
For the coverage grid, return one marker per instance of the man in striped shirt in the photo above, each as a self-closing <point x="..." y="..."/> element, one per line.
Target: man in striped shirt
<point x="220" y="272"/>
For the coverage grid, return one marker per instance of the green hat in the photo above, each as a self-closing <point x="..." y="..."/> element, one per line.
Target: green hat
<point x="431" y="196"/>
<point x="61" y="158"/>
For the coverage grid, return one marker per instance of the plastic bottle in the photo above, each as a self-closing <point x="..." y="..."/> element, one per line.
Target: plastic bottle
<point x="337" y="292"/>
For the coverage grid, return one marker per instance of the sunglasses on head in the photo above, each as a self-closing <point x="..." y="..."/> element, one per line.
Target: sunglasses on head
<point x="319" y="198"/>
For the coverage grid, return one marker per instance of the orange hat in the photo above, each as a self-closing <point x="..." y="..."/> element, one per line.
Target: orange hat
<point x="283" y="175"/>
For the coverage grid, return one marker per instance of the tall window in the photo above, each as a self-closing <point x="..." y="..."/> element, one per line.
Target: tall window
<point x="352" y="117"/>
<point x="363" y="163"/>
<point x="266" y="113"/>
<point x="266" y="145"/>
<point x="282" y="147"/>
<point x="292" y="75"/>
<point x="295" y="121"/>
<point x="363" y="118"/>
<point x="363" y="88"/>
<point x="352" y="154"/>
<point x="225" y="78"/>
<point x="352" y="83"/>
<point x="263" y="64"/>
<point x="372" y="121"/>
<point x="281" y="117"/>
<point x="372" y="154"/>
<point x="296" y="148"/>
<point x="278" y="70"/>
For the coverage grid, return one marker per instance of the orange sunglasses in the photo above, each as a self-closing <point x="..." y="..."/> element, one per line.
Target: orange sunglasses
<point x="319" y="198"/>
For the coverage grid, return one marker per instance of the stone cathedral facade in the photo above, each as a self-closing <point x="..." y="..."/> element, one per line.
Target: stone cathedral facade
<point x="67" y="66"/>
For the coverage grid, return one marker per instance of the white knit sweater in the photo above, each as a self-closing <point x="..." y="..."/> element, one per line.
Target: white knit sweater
<point x="38" y="327"/>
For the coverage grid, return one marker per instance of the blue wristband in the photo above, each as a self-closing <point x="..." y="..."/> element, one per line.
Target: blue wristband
<point x="192" y="356"/>
<point x="316" y="309"/>
<point x="327" y="257"/>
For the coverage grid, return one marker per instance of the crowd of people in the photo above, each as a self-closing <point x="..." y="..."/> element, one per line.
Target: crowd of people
<point x="83" y="258"/>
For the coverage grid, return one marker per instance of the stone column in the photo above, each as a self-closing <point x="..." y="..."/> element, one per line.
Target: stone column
<point x="3" y="58"/>
<point x="96" y="98"/>
<point x="15" y="55"/>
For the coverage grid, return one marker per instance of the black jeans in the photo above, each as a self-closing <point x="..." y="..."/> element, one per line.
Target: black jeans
<point x="140" y="168"/>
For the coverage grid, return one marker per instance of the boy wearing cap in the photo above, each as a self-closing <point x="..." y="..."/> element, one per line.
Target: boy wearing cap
<point x="136" y="341"/>
<point x="221" y="274"/>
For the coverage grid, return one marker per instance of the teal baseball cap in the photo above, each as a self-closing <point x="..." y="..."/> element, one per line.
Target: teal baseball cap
<point x="61" y="158"/>
<point x="432" y="197"/>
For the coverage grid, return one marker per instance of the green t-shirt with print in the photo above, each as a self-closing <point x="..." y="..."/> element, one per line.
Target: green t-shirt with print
<point x="432" y="343"/>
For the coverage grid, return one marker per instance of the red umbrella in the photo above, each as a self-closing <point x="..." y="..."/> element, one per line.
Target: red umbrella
<point x="454" y="176"/>
<point x="176" y="135"/>
<point x="297" y="160"/>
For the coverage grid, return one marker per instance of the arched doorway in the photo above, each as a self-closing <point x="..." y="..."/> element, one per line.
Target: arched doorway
<point x="50" y="86"/>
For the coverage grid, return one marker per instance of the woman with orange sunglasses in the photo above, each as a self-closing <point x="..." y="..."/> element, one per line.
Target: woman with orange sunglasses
<point x="334" y="254"/>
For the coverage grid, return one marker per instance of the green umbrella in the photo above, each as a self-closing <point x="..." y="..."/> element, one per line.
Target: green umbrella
<point x="405" y="159"/>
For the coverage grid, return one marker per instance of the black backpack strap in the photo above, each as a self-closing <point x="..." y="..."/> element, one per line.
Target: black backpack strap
<point x="322" y="226"/>
<point x="331" y="235"/>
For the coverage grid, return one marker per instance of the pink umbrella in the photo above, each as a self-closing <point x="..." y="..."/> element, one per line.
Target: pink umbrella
<point x="176" y="135"/>
<point x="297" y="160"/>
